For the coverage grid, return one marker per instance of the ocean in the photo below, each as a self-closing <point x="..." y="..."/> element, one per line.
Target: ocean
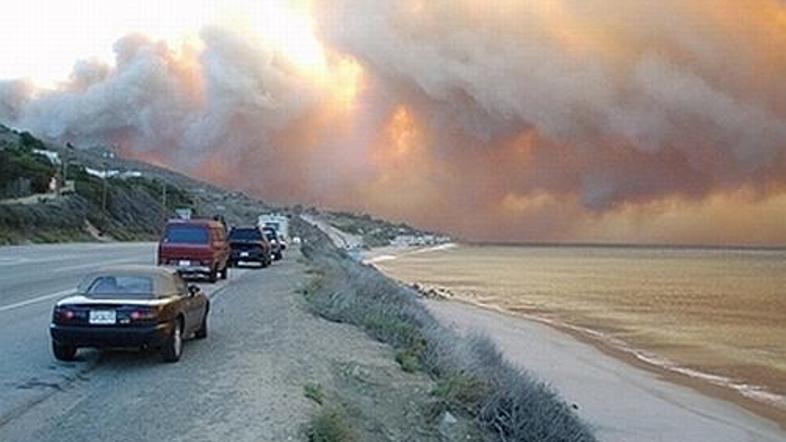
<point x="718" y="315"/>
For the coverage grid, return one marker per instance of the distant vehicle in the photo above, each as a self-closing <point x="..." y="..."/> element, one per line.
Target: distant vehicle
<point x="130" y="306"/>
<point x="184" y="213"/>
<point x="248" y="245"/>
<point x="195" y="247"/>
<point x="280" y="223"/>
<point x="275" y="242"/>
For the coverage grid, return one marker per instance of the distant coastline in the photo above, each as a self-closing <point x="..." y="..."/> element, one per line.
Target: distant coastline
<point x="730" y="247"/>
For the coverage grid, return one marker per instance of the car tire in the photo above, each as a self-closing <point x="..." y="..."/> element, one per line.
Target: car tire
<point x="63" y="352"/>
<point x="279" y="256"/>
<point x="202" y="332"/>
<point x="213" y="276"/>
<point x="225" y="272"/>
<point x="173" y="347"/>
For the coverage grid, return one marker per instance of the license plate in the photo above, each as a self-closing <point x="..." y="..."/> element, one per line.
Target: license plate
<point x="184" y="263"/>
<point x="103" y="316"/>
<point x="244" y="254"/>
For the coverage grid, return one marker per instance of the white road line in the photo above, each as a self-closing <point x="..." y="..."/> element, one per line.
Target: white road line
<point x="35" y="300"/>
<point x="63" y="293"/>
<point x="100" y="264"/>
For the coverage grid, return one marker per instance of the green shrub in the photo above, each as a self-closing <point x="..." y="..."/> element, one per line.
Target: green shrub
<point x="408" y="361"/>
<point x="330" y="425"/>
<point x="29" y="142"/>
<point x="314" y="392"/>
<point x="462" y="390"/>
<point x="16" y="164"/>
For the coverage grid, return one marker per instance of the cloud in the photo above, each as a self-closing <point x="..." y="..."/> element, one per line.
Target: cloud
<point x="522" y="120"/>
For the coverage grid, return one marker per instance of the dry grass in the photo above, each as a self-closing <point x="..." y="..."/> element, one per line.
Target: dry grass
<point x="471" y="375"/>
<point x="330" y="425"/>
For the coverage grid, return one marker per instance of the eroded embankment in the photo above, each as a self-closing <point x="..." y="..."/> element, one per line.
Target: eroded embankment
<point x="472" y="379"/>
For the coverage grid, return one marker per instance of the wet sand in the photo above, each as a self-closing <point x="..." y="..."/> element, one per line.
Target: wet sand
<point x="623" y="398"/>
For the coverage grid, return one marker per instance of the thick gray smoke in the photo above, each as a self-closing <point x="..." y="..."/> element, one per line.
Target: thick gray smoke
<point x="528" y="120"/>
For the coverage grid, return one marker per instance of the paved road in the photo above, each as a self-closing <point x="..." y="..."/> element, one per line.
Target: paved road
<point x="109" y="384"/>
<point x="32" y="279"/>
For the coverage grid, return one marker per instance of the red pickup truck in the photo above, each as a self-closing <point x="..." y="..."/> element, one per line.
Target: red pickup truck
<point x="195" y="247"/>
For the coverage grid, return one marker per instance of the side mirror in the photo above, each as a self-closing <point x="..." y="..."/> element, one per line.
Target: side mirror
<point x="193" y="289"/>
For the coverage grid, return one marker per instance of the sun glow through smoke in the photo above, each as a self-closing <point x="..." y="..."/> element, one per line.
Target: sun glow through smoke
<point x="555" y="120"/>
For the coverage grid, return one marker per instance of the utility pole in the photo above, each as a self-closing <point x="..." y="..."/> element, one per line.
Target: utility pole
<point x="106" y="184"/>
<point x="163" y="199"/>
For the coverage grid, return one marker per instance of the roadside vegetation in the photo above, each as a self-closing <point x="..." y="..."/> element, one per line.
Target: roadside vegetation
<point x="120" y="208"/>
<point x="21" y="169"/>
<point x="471" y="377"/>
<point x="314" y="392"/>
<point x="330" y="425"/>
<point x="116" y="208"/>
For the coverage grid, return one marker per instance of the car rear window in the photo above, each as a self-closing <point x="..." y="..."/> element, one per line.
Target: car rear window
<point x="245" y="235"/>
<point x="108" y="286"/>
<point x="186" y="235"/>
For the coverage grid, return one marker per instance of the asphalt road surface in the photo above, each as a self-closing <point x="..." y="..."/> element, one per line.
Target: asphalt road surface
<point x="212" y="393"/>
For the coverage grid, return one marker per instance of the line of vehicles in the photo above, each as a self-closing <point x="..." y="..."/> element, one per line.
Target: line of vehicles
<point x="154" y="306"/>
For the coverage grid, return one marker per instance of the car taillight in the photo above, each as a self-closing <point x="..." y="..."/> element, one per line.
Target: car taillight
<point x="143" y="314"/>
<point x="63" y="314"/>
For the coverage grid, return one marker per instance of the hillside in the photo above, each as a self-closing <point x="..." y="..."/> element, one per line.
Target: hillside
<point x="55" y="193"/>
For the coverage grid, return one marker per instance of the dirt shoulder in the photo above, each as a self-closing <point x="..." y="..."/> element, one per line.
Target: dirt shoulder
<point x="245" y="382"/>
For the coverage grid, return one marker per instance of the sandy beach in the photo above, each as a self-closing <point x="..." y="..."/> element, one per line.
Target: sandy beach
<point x="621" y="401"/>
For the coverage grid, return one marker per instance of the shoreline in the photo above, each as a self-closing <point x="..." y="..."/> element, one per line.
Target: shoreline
<point x="699" y="383"/>
<point x="624" y="399"/>
<point x="770" y="412"/>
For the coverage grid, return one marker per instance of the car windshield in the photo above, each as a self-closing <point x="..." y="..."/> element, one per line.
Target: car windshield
<point x="186" y="235"/>
<point x="108" y="286"/>
<point x="245" y="235"/>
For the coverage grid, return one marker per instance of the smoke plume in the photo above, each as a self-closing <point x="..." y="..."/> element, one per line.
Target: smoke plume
<point x="522" y="120"/>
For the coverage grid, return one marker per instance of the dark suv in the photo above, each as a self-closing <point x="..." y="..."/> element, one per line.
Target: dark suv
<point x="195" y="247"/>
<point x="248" y="245"/>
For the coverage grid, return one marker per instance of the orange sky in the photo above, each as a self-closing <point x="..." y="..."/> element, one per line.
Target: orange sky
<point x="506" y="120"/>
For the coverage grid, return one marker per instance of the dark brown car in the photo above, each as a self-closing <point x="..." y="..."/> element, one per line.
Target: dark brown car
<point x="130" y="306"/>
<point x="195" y="247"/>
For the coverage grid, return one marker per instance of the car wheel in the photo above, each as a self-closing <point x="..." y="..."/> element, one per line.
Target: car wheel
<point x="279" y="256"/>
<point x="213" y="276"/>
<point x="225" y="272"/>
<point x="173" y="347"/>
<point x="202" y="332"/>
<point x="63" y="352"/>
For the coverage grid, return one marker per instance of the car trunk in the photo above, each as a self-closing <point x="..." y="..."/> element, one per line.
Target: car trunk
<point x="104" y="314"/>
<point x="245" y="246"/>
<point x="173" y="253"/>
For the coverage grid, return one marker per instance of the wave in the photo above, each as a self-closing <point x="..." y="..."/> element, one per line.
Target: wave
<point x="437" y="248"/>
<point x="407" y="250"/>
<point x="380" y="258"/>
<point x="757" y="393"/>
